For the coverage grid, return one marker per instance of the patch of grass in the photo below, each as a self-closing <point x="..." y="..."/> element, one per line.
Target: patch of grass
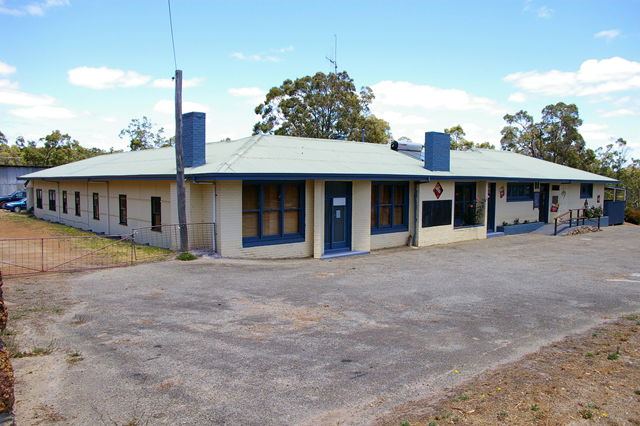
<point x="74" y="357"/>
<point x="433" y="424"/>
<point x="637" y="391"/>
<point x="614" y="356"/>
<point x="633" y="317"/>
<point x="534" y="407"/>
<point x="37" y="351"/>
<point x="594" y="335"/>
<point x="593" y="406"/>
<point x="405" y="423"/>
<point x="502" y="415"/>
<point x="586" y="414"/>
<point x="590" y="355"/>
<point x="455" y="420"/>
<point x="443" y="416"/>
<point x="186" y="256"/>
<point x="462" y="397"/>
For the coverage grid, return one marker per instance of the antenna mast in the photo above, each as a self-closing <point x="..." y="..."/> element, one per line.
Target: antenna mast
<point x="334" y="61"/>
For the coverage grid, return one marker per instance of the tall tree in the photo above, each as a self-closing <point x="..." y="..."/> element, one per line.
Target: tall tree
<point x="612" y="158"/>
<point x="522" y="135"/>
<point x="321" y="106"/>
<point x="3" y="138"/>
<point x="142" y="135"/>
<point x="459" y="142"/>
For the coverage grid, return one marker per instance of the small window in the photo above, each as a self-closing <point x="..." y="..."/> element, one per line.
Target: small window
<point x="52" y="200"/>
<point x="555" y="187"/>
<point x="389" y="207"/>
<point x="156" y="214"/>
<point x="436" y="213"/>
<point x="519" y="191"/>
<point x="39" y="198"/>
<point x="77" y="203"/>
<point x="586" y="190"/>
<point x="122" y="208"/>
<point x="96" y="206"/>
<point x="64" y="202"/>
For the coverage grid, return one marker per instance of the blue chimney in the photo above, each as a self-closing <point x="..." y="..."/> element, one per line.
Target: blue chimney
<point x="437" y="148"/>
<point x="193" y="136"/>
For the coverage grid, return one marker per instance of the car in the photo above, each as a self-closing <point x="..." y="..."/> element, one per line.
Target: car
<point x="14" y="196"/>
<point x="16" y="206"/>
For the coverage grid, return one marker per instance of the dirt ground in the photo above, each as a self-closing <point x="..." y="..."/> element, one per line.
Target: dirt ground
<point x="591" y="377"/>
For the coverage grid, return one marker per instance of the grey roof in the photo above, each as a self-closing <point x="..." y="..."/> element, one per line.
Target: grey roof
<point x="265" y="156"/>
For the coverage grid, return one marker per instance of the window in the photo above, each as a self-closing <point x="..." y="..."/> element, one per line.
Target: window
<point x="96" y="206"/>
<point x="156" y="214"/>
<point x="389" y="207"/>
<point x="77" y="202"/>
<point x="272" y="213"/>
<point x="465" y="204"/>
<point x="64" y="202"/>
<point x="555" y="187"/>
<point x="519" y="191"/>
<point x="586" y="190"/>
<point x="39" y="198"/>
<point x="122" y="208"/>
<point x="436" y="213"/>
<point x="52" y="200"/>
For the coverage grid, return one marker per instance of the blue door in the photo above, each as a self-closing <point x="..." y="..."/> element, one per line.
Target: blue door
<point x="491" y="211"/>
<point x="337" y="218"/>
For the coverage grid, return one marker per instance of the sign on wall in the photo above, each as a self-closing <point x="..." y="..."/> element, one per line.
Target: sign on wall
<point x="437" y="190"/>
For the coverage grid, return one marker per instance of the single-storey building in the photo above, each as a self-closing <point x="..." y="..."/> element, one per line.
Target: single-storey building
<point x="279" y="197"/>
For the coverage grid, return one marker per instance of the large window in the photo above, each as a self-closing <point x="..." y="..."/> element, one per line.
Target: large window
<point x="156" y="214"/>
<point x="465" y="204"/>
<point x="96" y="206"/>
<point x="77" y="202"/>
<point x="519" y="191"/>
<point x="436" y="213"/>
<point x="272" y="212"/>
<point x="389" y="207"/>
<point x="122" y="208"/>
<point x="39" y="198"/>
<point x="64" y="202"/>
<point x="52" y="200"/>
<point x="586" y="190"/>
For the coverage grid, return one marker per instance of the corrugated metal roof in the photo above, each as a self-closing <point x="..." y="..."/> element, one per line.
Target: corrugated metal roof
<point x="293" y="156"/>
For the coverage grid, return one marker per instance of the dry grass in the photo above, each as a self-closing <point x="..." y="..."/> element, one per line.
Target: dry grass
<point x="590" y="377"/>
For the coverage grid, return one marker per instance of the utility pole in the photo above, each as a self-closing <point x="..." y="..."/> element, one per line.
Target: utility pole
<point x="180" y="189"/>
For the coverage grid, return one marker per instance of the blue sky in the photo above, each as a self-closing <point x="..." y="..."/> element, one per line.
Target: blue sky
<point x="89" y="67"/>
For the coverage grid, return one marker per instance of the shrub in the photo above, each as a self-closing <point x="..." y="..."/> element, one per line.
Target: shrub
<point x="632" y="216"/>
<point x="186" y="256"/>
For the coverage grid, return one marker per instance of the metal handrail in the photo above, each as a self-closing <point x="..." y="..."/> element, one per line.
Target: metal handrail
<point x="570" y="221"/>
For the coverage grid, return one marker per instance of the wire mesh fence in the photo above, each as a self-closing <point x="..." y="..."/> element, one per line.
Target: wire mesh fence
<point x="25" y="256"/>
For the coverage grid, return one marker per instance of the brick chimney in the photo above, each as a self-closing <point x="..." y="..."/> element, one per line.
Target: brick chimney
<point x="193" y="138"/>
<point x="437" y="148"/>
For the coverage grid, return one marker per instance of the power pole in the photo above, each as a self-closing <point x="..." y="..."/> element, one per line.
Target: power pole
<point x="180" y="189"/>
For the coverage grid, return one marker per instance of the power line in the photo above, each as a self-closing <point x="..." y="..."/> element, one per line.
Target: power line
<point x="173" y="43"/>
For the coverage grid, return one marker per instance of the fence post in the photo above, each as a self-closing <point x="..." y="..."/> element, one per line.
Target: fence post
<point x="598" y="222"/>
<point x="41" y="254"/>
<point x="570" y="218"/>
<point x="555" y="226"/>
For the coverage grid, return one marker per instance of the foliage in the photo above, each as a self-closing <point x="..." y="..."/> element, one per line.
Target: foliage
<point x="632" y="216"/>
<point x="321" y="106"/>
<point x="186" y="256"/>
<point x="55" y="149"/>
<point x="593" y="211"/>
<point x="460" y="143"/>
<point x="142" y="135"/>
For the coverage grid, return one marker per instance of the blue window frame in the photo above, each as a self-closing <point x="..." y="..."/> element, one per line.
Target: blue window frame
<point x="519" y="191"/>
<point x="586" y="190"/>
<point x="465" y="203"/>
<point x="389" y="207"/>
<point x="272" y="213"/>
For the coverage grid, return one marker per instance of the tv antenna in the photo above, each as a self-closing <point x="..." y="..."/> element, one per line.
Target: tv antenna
<point x="334" y="61"/>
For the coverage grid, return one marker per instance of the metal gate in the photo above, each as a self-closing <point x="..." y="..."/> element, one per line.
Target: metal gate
<point x="614" y="204"/>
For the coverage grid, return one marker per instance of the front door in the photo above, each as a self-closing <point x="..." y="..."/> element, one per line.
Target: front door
<point x="337" y="218"/>
<point x="543" y="215"/>
<point x="491" y="210"/>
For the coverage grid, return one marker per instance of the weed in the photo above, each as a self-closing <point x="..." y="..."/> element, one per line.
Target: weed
<point x="594" y="335"/>
<point x="37" y="351"/>
<point x="78" y="322"/>
<point x="443" y="416"/>
<point x="502" y="415"/>
<point x="455" y="420"/>
<point x="462" y="397"/>
<point x="593" y="406"/>
<point x="633" y="317"/>
<point x="590" y="355"/>
<point x="614" y="356"/>
<point x="433" y="424"/>
<point x="405" y="423"/>
<point x="637" y="391"/>
<point x="534" y="407"/>
<point x="74" y="357"/>
<point x="516" y="221"/>
<point x="585" y="414"/>
<point x="186" y="256"/>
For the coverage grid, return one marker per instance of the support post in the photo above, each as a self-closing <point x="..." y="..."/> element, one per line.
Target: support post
<point x="180" y="188"/>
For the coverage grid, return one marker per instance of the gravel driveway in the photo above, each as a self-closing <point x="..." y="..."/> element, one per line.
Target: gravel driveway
<point x="344" y="340"/>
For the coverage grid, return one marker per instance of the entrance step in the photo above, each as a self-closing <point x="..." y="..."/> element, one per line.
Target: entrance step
<point x="495" y="234"/>
<point x="343" y="254"/>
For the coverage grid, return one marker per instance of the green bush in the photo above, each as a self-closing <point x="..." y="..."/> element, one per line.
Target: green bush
<point x="632" y="216"/>
<point x="186" y="256"/>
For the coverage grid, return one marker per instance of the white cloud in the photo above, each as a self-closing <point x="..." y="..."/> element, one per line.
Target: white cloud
<point x="542" y="11"/>
<point x="43" y="112"/>
<point x="284" y="49"/>
<point x="10" y="96"/>
<point x="517" y="97"/>
<point x="592" y="78"/>
<point x="255" y="57"/>
<point x="404" y="93"/>
<point x="253" y="95"/>
<point x="607" y="34"/>
<point x="32" y="9"/>
<point x="6" y="69"/>
<point x="8" y="84"/>
<point x="109" y="119"/>
<point x="623" y="112"/>
<point x="595" y="134"/>
<point x="105" y="78"/>
<point x="168" y="83"/>
<point x="167" y="106"/>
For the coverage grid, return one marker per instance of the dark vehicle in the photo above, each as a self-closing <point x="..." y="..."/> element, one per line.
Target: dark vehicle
<point x="16" y="206"/>
<point x="16" y="196"/>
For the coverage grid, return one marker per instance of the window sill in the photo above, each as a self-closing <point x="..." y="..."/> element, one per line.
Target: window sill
<point x="375" y="231"/>
<point x="517" y="200"/>
<point x="267" y="242"/>
<point x="481" y="225"/>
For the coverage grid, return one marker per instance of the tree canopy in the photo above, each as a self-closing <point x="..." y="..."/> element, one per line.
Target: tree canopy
<point x="142" y="134"/>
<point x="460" y="143"/>
<point x="321" y="106"/>
<point x="55" y="149"/>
